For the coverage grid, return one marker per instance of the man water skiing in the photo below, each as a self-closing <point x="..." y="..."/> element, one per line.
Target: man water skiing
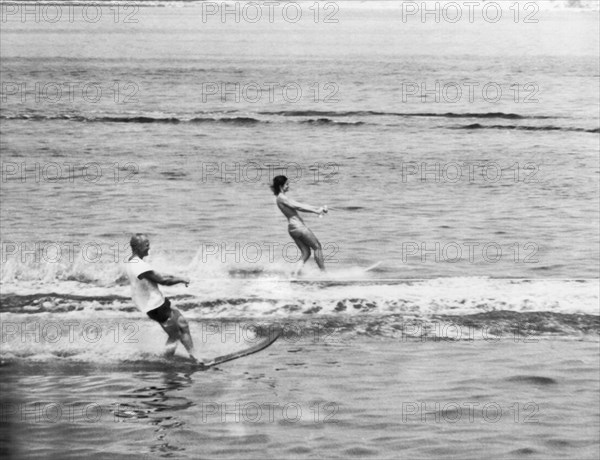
<point x="148" y="298"/>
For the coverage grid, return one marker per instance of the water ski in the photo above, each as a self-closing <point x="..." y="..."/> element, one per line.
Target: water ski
<point x="273" y="335"/>
<point x="373" y="267"/>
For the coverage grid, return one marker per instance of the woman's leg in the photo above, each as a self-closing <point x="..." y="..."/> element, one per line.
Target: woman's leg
<point x="305" y="253"/>
<point x="311" y="240"/>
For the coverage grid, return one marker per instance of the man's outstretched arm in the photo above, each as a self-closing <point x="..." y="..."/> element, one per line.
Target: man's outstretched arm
<point x="165" y="280"/>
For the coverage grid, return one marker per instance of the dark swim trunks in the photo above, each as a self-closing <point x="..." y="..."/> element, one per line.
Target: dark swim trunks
<point x="162" y="313"/>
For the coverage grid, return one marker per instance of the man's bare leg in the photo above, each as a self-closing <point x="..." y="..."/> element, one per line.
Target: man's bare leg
<point x="185" y="337"/>
<point x="171" y="346"/>
<point x="178" y="329"/>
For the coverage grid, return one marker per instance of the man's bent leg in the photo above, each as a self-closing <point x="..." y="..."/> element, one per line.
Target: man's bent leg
<point x="171" y="346"/>
<point x="178" y="329"/>
<point x="172" y="330"/>
<point x="176" y="333"/>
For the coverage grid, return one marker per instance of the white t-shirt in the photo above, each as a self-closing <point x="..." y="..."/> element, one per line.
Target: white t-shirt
<point x="145" y="293"/>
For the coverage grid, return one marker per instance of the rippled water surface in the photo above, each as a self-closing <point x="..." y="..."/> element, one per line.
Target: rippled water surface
<point x="381" y="399"/>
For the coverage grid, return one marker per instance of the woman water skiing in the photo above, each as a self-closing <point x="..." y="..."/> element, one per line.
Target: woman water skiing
<point x="301" y="234"/>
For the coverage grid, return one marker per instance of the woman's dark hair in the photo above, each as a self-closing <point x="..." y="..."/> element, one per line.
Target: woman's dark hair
<point x="278" y="182"/>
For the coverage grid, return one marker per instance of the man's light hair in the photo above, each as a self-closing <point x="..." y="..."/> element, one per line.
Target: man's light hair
<point x="137" y="239"/>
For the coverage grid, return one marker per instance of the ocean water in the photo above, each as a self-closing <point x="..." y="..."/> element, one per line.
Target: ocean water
<point x="481" y="205"/>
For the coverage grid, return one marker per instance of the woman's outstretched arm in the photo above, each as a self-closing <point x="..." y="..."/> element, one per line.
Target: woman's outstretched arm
<point x="302" y="207"/>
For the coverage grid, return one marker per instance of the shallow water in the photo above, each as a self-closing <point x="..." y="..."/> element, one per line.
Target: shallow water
<point x="381" y="399"/>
